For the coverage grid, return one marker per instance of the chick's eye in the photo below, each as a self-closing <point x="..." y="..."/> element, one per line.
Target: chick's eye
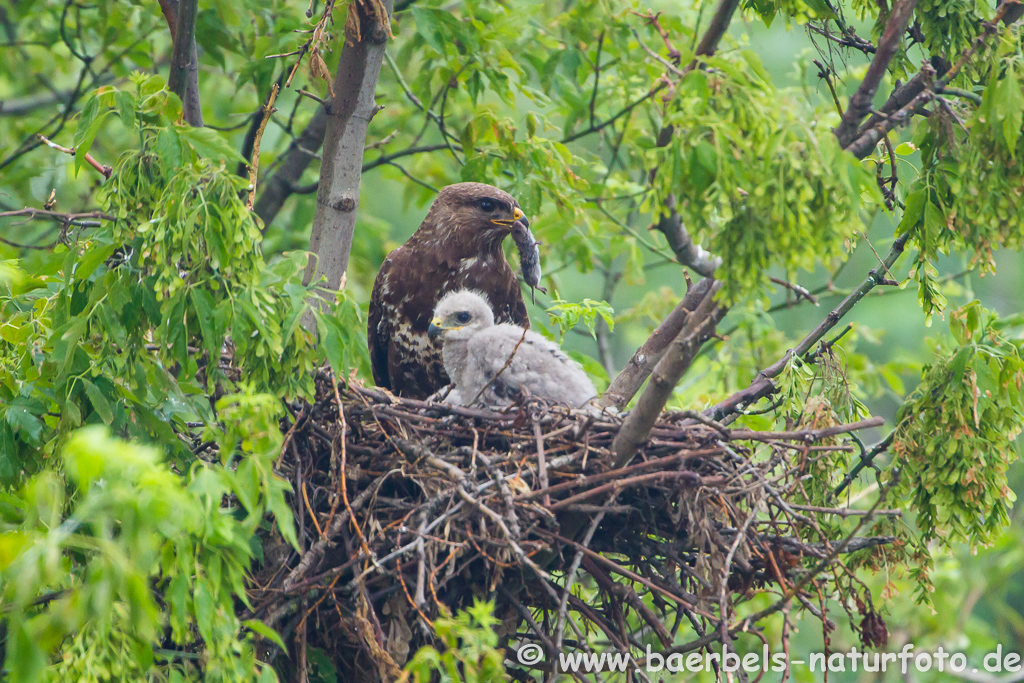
<point x="487" y="205"/>
<point x="462" y="317"/>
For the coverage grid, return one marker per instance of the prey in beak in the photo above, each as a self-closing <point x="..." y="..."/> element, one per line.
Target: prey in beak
<point x="517" y="216"/>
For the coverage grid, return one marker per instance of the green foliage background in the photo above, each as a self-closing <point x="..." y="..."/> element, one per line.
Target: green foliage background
<point x="116" y="328"/>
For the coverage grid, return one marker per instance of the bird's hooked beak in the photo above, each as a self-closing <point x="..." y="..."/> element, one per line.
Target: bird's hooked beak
<point x="517" y="215"/>
<point x="437" y="328"/>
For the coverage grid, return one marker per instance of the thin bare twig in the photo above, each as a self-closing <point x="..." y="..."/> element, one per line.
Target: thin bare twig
<point x="267" y="111"/>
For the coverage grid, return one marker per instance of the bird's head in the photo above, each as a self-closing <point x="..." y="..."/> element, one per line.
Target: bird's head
<point x="459" y="315"/>
<point x="474" y="215"/>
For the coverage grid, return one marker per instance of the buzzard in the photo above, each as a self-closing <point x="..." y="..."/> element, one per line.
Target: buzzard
<point x="457" y="246"/>
<point x="495" y="364"/>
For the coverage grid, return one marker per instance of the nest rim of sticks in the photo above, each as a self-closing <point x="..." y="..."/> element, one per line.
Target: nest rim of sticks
<point x="408" y="509"/>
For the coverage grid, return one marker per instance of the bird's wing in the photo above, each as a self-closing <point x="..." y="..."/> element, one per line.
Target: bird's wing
<point x="378" y="329"/>
<point x="487" y="357"/>
<point x="539" y="366"/>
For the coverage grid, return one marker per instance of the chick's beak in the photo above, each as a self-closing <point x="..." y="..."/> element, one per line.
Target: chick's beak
<point x="434" y="330"/>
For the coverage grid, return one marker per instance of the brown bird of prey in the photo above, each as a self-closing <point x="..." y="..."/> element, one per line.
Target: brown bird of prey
<point x="458" y="246"/>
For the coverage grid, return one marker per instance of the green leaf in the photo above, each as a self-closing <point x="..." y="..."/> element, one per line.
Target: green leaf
<point x="21" y="420"/>
<point x="126" y="108"/>
<point x="913" y="211"/>
<point x="98" y="400"/>
<point x="1011" y="109"/>
<point x="267" y="675"/>
<point x="258" y="627"/>
<point x="90" y="110"/>
<point x="84" y="138"/>
<point x="934" y="220"/>
<point x="25" y="659"/>
<point x="168" y="148"/>
<point x="282" y="512"/>
<point x="208" y="144"/>
<point x="204" y="606"/>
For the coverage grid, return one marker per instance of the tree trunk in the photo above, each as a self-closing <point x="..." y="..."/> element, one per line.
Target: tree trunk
<point x="348" y="116"/>
<point x="183" y="79"/>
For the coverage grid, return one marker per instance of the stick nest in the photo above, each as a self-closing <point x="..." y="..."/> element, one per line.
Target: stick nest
<point x="408" y="511"/>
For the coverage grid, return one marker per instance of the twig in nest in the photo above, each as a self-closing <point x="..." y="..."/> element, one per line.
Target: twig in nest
<point x="312" y="515"/>
<point x="496" y="518"/>
<point x="542" y="466"/>
<point x="707" y="421"/>
<point x="571" y="575"/>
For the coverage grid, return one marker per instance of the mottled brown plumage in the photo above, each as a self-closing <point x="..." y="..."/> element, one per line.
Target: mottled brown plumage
<point x="458" y="246"/>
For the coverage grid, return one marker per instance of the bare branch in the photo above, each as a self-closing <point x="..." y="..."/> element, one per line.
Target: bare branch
<point x="279" y="186"/>
<point x="717" y="28"/>
<point x="26" y="105"/>
<point x="66" y="218"/>
<point x="631" y="378"/>
<point x="268" y="109"/>
<point x="861" y="101"/>
<point x="687" y="252"/>
<point x="700" y="325"/>
<point x="104" y="170"/>
<point x="866" y="460"/>
<point x="762" y="384"/>
<point x="899" y="98"/>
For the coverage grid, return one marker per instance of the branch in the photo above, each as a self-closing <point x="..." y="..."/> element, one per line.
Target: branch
<point x="700" y="325"/>
<point x="762" y="384"/>
<point x="594" y="128"/>
<point x="184" y="76"/>
<point x="104" y="170"/>
<point x="279" y="186"/>
<point x="806" y="435"/>
<point x="717" y="28"/>
<point x="865" y="460"/>
<point x="631" y="378"/>
<point x="27" y="105"/>
<point x="865" y="143"/>
<point x="66" y="218"/>
<point x="344" y="141"/>
<point x="687" y="252"/>
<point x="918" y="91"/>
<point x="254" y="165"/>
<point x="671" y="225"/>
<point x="861" y="101"/>
<point x="899" y="98"/>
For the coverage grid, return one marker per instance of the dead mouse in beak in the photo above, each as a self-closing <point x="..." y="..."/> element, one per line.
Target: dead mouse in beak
<point x="529" y="255"/>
